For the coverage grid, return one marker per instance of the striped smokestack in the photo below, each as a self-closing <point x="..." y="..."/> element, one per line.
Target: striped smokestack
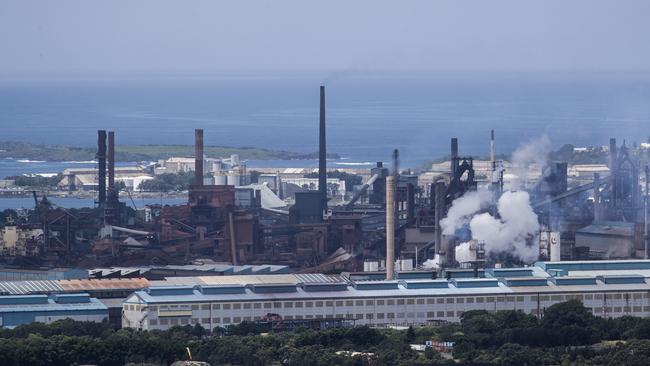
<point x="390" y="228"/>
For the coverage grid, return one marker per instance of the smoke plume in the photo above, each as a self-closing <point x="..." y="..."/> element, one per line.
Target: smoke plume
<point x="510" y="232"/>
<point x="463" y="208"/>
<point x="532" y="155"/>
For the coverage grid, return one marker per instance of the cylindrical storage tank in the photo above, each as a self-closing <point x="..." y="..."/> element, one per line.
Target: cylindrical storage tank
<point x="233" y="180"/>
<point x="555" y="247"/>
<point x="366" y="266"/>
<point x="220" y="180"/>
<point x="373" y="266"/>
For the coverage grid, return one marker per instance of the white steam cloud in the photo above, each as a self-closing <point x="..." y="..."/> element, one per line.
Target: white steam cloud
<point x="510" y="232"/>
<point x="463" y="208"/>
<point x="532" y="155"/>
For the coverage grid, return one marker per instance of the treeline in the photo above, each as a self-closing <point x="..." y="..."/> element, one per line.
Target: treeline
<point x="568" y="334"/>
<point x="351" y="180"/>
<point x="36" y="181"/>
<point x="168" y="182"/>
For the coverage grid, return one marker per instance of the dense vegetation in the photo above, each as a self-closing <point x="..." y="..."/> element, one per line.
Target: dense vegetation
<point x="168" y="182"/>
<point x="25" y="150"/>
<point x="351" y="180"/>
<point x="36" y="181"/>
<point x="568" y="334"/>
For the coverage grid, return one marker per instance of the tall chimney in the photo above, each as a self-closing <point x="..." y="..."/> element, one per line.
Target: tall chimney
<point x="322" y="151"/>
<point x="101" y="159"/>
<point x="612" y="155"/>
<point x="492" y="146"/>
<point x="198" y="157"/>
<point x="390" y="228"/>
<point x="111" y="160"/>
<point x="454" y="155"/>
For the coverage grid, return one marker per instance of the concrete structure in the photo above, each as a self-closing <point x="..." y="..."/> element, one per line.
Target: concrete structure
<point x="607" y="288"/>
<point x="16" y="241"/>
<point x="25" y="309"/>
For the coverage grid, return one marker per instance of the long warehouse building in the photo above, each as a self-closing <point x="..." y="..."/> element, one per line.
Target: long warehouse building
<point x="608" y="288"/>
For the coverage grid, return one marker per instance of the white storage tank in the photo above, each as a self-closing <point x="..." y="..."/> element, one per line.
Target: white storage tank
<point x="234" y="159"/>
<point x="220" y="180"/>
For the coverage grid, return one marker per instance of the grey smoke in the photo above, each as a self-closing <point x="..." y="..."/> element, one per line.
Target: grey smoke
<point x="463" y="208"/>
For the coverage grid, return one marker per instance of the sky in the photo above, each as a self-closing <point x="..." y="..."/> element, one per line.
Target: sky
<point x="161" y="36"/>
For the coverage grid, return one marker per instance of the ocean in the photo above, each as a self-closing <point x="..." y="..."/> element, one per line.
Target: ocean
<point x="368" y="114"/>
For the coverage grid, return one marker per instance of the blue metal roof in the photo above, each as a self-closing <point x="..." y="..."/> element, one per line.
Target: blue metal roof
<point x="509" y="272"/>
<point x="170" y="290"/>
<point x="312" y="287"/>
<point x="375" y="285"/>
<point x="475" y="282"/>
<point x="595" y="265"/>
<point x="221" y="289"/>
<point x="273" y="287"/>
<point x="464" y="273"/>
<point x="71" y="298"/>
<point x="417" y="284"/>
<point x="23" y="299"/>
<point x="525" y="281"/>
<point x="573" y="281"/>
<point x="410" y="275"/>
<point x="621" y="279"/>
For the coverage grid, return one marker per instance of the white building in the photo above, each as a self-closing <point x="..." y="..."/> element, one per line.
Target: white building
<point x="607" y="288"/>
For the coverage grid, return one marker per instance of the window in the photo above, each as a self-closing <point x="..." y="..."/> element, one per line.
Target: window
<point x="459" y="313"/>
<point x="236" y="319"/>
<point x="277" y="305"/>
<point x="288" y="304"/>
<point x="489" y="299"/>
<point x="636" y="296"/>
<point x="153" y="321"/>
<point x="329" y="303"/>
<point x="410" y="301"/>
<point x="298" y="304"/>
<point x="309" y="304"/>
<point x="420" y="301"/>
<point x="226" y="320"/>
<point x="257" y="305"/>
<point x="216" y="306"/>
<point x="390" y="302"/>
<point x="431" y="314"/>
<point x="236" y="306"/>
<point x="556" y="297"/>
<point x="400" y="302"/>
<point x="216" y="320"/>
<point x="226" y="306"/>
<point x="380" y="315"/>
<point x="247" y="305"/>
<point x="153" y="308"/>
<point x="370" y="302"/>
<point x="617" y="309"/>
<point x="194" y="307"/>
<point x="205" y="307"/>
<point x="369" y="316"/>
<point x="380" y="302"/>
<point x="390" y="315"/>
<point x="470" y="300"/>
<point x="501" y="299"/>
<point x="400" y="315"/>
<point x="288" y="317"/>
<point x="318" y="316"/>
<point x="359" y="316"/>
<point x="543" y="298"/>
<point x="359" y="303"/>
<point x="598" y="297"/>
<point x="185" y="321"/>
<point x="450" y="300"/>
<point x="298" y="316"/>
<point x="164" y="321"/>
<point x="349" y="302"/>
<point x="460" y="300"/>
<point x="319" y="304"/>
<point x="480" y="300"/>
<point x="205" y="320"/>
<point x="520" y="299"/>
<point x="431" y="301"/>
<point x="637" y="309"/>
<point x="339" y="303"/>
<point x="440" y="314"/>
<point x="267" y="305"/>
<point x="590" y="297"/>
<point x="450" y="314"/>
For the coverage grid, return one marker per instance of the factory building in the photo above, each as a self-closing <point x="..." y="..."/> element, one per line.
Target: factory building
<point x="22" y="274"/>
<point x="86" y="179"/>
<point x="607" y="288"/>
<point x="25" y="309"/>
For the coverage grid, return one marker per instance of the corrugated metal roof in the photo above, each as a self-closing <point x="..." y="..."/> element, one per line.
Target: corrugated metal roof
<point x="29" y="287"/>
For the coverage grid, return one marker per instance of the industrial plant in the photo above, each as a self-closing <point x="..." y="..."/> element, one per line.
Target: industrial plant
<point x="410" y="246"/>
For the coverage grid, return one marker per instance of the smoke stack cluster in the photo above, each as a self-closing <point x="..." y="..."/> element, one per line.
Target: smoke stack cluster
<point x="198" y="157"/>
<point x="390" y="228"/>
<point x="322" y="150"/>
<point x="101" y="159"/>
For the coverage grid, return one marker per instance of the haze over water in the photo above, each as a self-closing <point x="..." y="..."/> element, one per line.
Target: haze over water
<point x="368" y="115"/>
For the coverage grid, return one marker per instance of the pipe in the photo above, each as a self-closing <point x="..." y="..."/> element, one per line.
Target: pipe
<point x="322" y="151"/>
<point x="390" y="228"/>
<point x="492" y="145"/>
<point x="101" y="166"/>
<point x="362" y="190"/>
<point x="198" y="157"/>
<point x="233" y="246"/>
<point x="111" y="160"/>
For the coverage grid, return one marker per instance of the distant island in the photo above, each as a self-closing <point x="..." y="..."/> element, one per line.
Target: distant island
<point x="126" y="153"/>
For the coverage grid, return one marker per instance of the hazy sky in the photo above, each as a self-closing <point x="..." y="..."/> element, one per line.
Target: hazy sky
<point x="207" y="36"/>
